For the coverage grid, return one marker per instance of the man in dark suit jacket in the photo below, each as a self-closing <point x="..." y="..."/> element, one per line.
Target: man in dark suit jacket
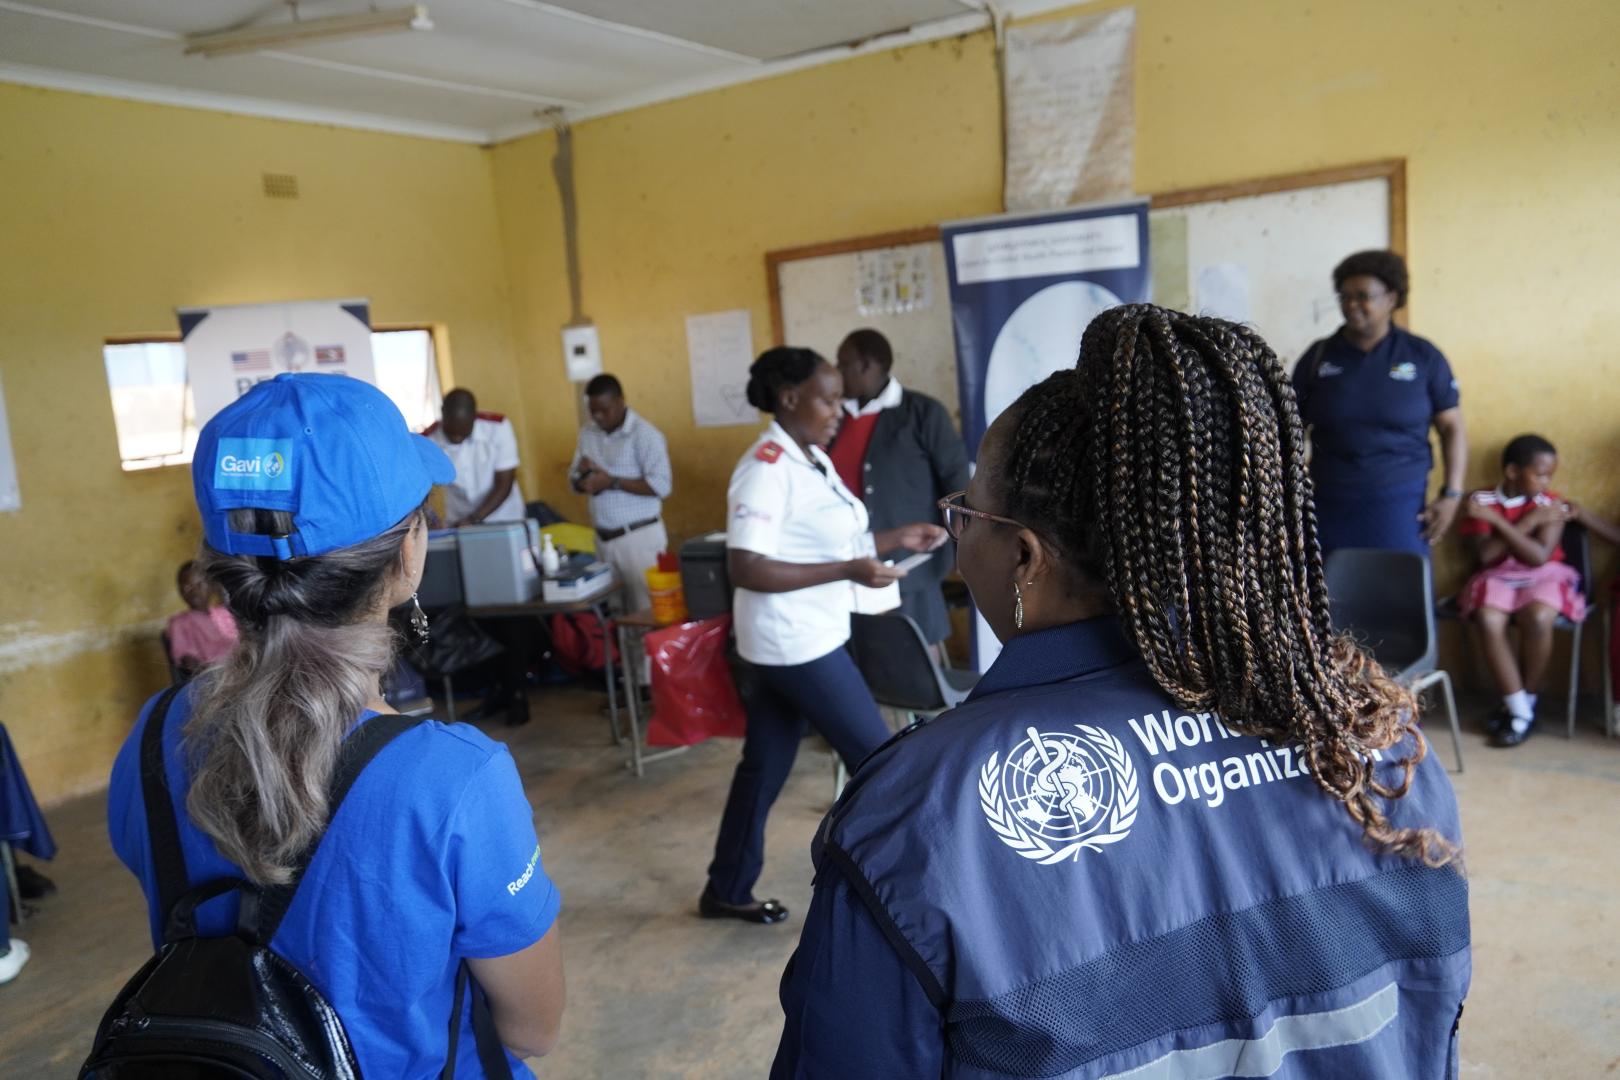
<point x="900" y="452"/>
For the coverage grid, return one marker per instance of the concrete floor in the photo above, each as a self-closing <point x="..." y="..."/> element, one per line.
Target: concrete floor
<point x="654" y="992"/>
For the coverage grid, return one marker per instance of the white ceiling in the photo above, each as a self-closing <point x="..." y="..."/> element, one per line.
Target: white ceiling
<point x="484" y="71"/>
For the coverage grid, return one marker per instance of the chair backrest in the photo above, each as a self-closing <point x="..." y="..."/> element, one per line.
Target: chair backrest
<point x="894" y="658"/>
<point x="1386" y="599"/>
<point x="1577" y="545"/>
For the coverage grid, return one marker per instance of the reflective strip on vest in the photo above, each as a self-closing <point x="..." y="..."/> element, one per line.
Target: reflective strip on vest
<point x="1264" y="1056"/>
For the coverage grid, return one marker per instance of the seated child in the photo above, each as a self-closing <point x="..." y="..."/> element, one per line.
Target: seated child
<point x="205" y="633"/>
<point x="1523" y="578"/>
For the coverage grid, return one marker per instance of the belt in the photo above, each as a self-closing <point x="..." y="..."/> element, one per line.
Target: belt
<point x="605" y="535"/>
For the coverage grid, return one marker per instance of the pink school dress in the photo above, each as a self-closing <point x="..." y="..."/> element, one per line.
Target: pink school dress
<point x="1508" y="584"/>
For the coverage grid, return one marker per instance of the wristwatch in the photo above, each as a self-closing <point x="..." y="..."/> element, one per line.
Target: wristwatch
<point x="1450" y="493"/>
<point x="613" y="485"/>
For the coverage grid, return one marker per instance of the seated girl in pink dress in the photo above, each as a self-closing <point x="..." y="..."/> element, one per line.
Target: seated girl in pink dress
<point x="1516" y="530"/>
<point x="205" y="633"/>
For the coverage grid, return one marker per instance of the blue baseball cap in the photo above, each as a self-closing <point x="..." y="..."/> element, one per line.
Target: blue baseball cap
<point x="331" y="450"/>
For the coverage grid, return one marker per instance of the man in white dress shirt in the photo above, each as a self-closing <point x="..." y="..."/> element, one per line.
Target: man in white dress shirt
<point x="623" y="464"/>
<point x="483" y="448"/>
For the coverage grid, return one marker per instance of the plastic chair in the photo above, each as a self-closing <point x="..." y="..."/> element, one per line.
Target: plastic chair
<point x="1577" y="545"/>
<point x="178" y="676"/>
<point x="1384" y="598"/>
<point x="900" y="668"/>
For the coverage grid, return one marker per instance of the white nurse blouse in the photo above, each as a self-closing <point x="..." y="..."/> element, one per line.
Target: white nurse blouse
<point x="788" y="505"/>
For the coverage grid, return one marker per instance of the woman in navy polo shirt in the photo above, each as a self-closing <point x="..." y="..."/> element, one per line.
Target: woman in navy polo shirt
<point x="311" y="490"/>
<point x="1370" y="394"/>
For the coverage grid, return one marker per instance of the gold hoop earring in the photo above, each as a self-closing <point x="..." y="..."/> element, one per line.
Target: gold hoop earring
<point x="1018" y="607"/>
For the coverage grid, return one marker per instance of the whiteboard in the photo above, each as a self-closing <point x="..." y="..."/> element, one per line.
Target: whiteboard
<point x="819" y="308"/>
<point x="1264" y="259"/>
<point x="1271" y="257"/>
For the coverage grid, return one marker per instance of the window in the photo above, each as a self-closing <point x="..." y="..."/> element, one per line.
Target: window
<point x="156" y="420"/>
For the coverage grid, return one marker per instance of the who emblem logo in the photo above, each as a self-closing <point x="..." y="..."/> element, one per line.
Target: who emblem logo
<point x="1060" y="793"/>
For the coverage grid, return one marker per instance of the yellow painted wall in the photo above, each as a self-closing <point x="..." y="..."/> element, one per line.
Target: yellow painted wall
<point x="111" y="215"/>
<point x="1508" y="116"/>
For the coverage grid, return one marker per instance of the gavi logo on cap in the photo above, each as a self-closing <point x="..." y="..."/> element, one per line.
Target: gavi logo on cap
<point x="254" y="465"/>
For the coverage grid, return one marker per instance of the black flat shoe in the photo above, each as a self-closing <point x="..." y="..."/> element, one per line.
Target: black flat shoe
<point x="764" y="912"/>
<point x="33" y="885"/>
<point x="1497" y="719"/>
<point x="1506" y="736"/>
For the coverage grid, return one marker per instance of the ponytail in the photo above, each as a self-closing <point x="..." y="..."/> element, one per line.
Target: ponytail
<point x="267" y="723"/>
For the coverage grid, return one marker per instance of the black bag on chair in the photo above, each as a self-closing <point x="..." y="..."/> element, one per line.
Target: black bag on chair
<point x="207" y="1007"/>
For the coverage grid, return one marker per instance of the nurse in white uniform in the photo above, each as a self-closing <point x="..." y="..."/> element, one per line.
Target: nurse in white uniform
<point x="802" y="557"/>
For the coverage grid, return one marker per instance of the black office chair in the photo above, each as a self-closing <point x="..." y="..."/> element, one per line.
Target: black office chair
<point x="1577" y="545"/>
<point x="1385" y="599"/>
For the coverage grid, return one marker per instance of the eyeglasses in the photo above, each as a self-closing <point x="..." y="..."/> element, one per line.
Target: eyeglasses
<point x="1362" y="297"/>
<point x="957" y="512"/>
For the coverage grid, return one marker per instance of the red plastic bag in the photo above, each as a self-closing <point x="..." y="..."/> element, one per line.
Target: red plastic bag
<point x="694" y="697"/>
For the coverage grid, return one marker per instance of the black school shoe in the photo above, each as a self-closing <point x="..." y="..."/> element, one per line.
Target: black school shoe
<point x="1507" y="736"/>
<point x="1497" y="719"/>
<point x="764" y="912"/>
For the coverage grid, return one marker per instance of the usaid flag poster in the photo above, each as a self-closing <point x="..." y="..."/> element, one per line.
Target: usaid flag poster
<point x="229" y="349"/>
<point x="1023" y="289"/>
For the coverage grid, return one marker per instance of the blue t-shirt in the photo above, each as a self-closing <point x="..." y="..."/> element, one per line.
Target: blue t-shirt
<point x="432" y="858"/>
<point x="1370" y="413"/>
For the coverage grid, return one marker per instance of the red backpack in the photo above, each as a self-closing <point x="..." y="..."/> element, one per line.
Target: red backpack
<point x="578" y="643"/>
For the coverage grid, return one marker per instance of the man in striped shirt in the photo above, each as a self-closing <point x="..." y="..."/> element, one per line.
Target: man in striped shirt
<point x="623" y="465"/>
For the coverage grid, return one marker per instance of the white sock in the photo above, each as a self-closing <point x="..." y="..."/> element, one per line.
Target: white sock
<point x="1520" y="705"/>
<point x="1533" y="699"/>
<point x="13" y="961"/>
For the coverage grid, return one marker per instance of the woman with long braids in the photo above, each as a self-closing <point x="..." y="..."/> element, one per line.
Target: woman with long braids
<point x="311" y="492"/>
<point x="1182" y="828"/>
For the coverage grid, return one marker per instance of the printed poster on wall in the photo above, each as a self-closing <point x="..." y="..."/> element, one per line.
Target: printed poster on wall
<point x="1071" y="110"/>
<point x="1023" y="289"/>
<point x="720" y="348"/>
<point x="229" y="349"/>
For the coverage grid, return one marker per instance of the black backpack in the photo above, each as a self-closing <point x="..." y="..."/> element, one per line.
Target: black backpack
<point x="207" y="1007"/>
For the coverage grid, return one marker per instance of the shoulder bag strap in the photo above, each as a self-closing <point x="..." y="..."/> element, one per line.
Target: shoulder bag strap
<point x="262" y="912"/>
<point x="162" y="829"/>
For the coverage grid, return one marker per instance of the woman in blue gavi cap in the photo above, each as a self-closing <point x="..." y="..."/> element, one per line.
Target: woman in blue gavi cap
<point x="312" y="491"/>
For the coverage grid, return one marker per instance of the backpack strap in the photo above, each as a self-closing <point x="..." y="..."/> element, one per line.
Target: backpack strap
<point x="491" y="1051"/>
<point x="162" y="829"/>
<point x="262" y="910"/>
<point x="463" y="975"/>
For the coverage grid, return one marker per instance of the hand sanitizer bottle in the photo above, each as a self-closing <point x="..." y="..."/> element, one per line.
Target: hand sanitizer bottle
<point x="550" y="561"/>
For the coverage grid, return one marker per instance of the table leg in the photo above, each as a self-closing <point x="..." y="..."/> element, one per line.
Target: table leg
<point x="600" y="611"/>
<point x="8" y="867"/>
<point x="629" y="658"/>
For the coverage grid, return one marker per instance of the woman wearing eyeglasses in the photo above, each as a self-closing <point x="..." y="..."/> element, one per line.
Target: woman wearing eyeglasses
<point x="802" y="557"/>
<point x="1369" y="395"/>
<point x="1181" y="828"/>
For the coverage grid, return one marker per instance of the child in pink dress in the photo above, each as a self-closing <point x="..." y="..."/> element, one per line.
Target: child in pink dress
<point x="1516" y="530"/>
<point x="205" y="633"/>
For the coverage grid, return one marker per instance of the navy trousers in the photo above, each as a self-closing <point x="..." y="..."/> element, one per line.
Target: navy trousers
<point x="827" y="693"/>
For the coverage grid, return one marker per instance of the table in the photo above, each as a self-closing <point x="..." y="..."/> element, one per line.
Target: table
<point x="633" y="628"/>
<point x="596" y="604"/>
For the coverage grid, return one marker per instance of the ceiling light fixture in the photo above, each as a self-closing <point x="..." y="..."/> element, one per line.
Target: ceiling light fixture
<point x="306" y="31"/>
